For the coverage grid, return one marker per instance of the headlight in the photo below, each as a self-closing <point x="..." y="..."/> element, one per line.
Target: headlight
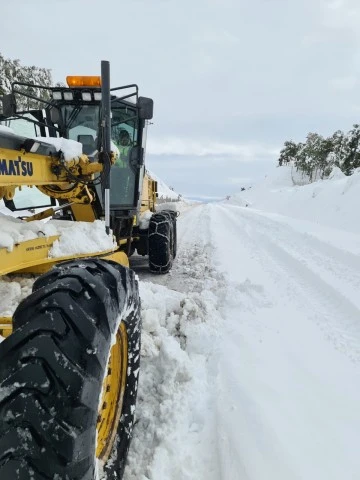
<point x="57" y="95"/>
<point x="34" y="148"/>
<point x="97" y="96"/>
<point x="86" y="96"/>
<point x="68" y="96"/>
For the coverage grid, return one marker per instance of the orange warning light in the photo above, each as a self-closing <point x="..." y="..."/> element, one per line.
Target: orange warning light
<point x="75" y="81"/>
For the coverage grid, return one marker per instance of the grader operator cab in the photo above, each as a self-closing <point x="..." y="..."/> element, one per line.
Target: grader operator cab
<point x="69" y="360"/>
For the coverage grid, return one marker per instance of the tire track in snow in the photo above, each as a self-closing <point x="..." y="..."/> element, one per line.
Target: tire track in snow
<point x="336" y="261"/>
<point x="288" y="400"/>
<point x="316" y="277"/>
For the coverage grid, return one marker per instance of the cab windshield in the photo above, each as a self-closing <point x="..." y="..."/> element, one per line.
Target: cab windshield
<point x="81" y="123"/>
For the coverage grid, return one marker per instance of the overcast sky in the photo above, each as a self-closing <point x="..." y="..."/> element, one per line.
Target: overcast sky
<point x="231" y="79"/>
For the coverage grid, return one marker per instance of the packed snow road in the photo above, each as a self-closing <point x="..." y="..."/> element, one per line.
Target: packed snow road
<point x="251" y="352"/>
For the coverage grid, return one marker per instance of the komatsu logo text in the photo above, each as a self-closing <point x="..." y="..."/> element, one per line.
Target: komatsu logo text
<point x="16" y="167"/>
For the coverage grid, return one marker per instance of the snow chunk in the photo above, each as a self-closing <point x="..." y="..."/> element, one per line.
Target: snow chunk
<point x="173" y="206"/>
<point x="12" y="290"/>
<point x="14" y="230"/>
<point x="145" y="220"/>
<point x="70" y="148"/>
<point x="80" y="238"/>
<point x="75" y="237"/>
<point x="6" y="129"/>
<point x="336" y="174"/>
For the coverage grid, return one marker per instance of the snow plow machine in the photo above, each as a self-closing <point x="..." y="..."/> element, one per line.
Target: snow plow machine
<point x="69" y="356"/>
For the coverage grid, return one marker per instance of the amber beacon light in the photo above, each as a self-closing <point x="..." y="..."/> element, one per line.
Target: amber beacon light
<point x="76" y="81"/>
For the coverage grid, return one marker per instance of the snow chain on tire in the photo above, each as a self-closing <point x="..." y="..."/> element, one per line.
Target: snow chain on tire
<point x="162" y="241"/>
<point x="172" y="215"/>
<point x="52" y="369"/>
<point x="174" y="242"/>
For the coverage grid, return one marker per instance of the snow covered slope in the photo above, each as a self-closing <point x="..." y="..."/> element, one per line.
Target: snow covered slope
<point x="330" y="202"/>
<point x="164" y="191"/>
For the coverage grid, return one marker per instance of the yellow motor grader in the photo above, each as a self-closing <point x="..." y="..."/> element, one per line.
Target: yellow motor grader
<point x="69" y="360"/>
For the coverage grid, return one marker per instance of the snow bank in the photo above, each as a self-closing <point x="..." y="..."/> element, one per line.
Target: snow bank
<point x="174" y="206"/>
<point x="175" y="434"/>
<point x="171" y="378"/>
<point x="163" y="190"/>
<point x="336" y="174"/>
<point x="331" y="202"/>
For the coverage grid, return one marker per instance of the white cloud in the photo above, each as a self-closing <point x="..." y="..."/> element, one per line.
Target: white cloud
<point x="344" y="83"/>
<point x="343" y="14"/>
<point x="190" y="147"/>
<point x="314" y="38"/>
<point x="217" y="37"/>
<point x="335" y="4"/>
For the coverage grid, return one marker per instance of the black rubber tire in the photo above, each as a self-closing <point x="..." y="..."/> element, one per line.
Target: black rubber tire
<point x="142" y="244"/>
<point x="160" y="243"/>
<point x="52" y="369"/>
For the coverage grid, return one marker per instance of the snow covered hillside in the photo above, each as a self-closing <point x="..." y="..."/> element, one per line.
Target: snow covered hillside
<point x="330" y="202"/>
<point x="164" y="191"/>
<point x="251" y="345"/>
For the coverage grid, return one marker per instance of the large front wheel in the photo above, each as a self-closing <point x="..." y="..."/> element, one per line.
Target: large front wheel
<point x="69" y="375"/>
<point x="160" y="238"/>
